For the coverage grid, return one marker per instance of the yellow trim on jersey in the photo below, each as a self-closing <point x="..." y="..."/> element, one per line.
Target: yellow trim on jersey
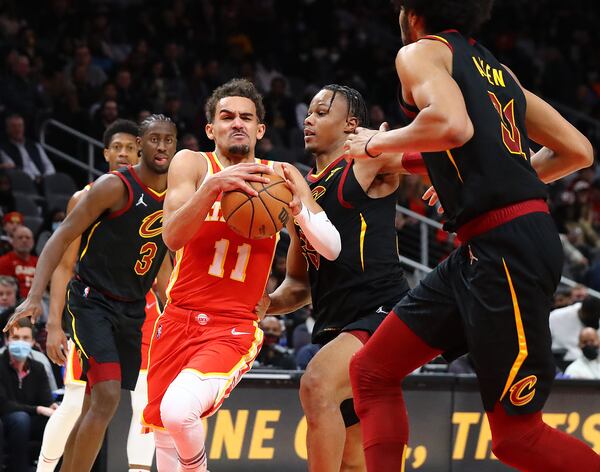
<point x="174" y="274"/>
<point x="451" y="157"/>
<point x="69" y="371"/>
<point x="522" y="355"/>
<point x="158" y="194"/>
<point x="73" y="326"/>
<point x="214" y="153"/>
<point x="89" y="238"/>
<point x="363" y="231"/>
<point x="271" y="164"/>
<point x="445" y="41"/>
<point x="404" y="448"/>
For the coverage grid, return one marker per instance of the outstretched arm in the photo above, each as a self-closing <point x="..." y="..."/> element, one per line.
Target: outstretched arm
<point x="107" y="194"/>
<point x="442" y="123"/>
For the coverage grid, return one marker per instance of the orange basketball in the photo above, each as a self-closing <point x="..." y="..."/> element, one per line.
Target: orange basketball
<point x="261" y="216"/>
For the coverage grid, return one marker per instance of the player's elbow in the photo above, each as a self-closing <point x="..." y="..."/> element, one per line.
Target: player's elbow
<point x="458" y="132"/>
<point x="171" y="240"/>
<point x="584" y="153"/>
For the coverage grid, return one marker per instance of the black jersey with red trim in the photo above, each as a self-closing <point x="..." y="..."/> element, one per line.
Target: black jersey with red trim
<point x="492" y="170"/>
<point x="121" y="252"/>
<point x="367" y="273"/>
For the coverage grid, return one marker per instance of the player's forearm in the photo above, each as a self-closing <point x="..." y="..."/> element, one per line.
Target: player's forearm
<point x="289" y="296"/>
<point x="47" y="263"/>
<point x="58" y="288"/>
<point x="320" y="232"/>
<point x="551" y="165"/>
<point x="181" y="225"/>
<point x="431" y="131"/>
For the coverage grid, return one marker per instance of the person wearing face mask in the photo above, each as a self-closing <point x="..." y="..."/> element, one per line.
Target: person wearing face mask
<point x="272" y="355"/>
<point x="566" y="324"/>
<point x="587" y="365"/>
<point x="26" y="401"/>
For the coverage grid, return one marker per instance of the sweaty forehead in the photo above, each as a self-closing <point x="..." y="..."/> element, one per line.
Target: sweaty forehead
<point x="324" y="98"/>
<point x="237" y="105"/>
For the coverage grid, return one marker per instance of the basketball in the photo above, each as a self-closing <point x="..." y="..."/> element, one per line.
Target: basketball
<point x="261" y="216"/>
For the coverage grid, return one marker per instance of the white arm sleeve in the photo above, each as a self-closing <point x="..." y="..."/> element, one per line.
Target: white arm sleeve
<point x="320" y="232"/>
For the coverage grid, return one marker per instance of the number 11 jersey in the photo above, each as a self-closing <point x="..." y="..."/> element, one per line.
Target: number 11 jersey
<point x="219" y="271"/>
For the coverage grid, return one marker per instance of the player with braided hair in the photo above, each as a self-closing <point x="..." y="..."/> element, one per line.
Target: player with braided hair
<point x="352" y="294"/>
<point x="119" y="222"/>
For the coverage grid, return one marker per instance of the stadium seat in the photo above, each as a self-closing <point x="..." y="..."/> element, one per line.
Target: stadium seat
<point x="34" y="223"/>
<point x="58" y="184"/>
<point x="21" y="183"/>
<point x="26" y="205"/>
<point x="57" y="201"/>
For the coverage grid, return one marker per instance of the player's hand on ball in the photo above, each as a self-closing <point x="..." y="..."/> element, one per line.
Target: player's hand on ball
<point x="56" y="345"/>
<point x="297" y="186"/>
<point x="29" y="308"/>
<point x="432" y="199"/>
<point x="356" y="147"/>
<point x="236" y="177"/>
<point x="262" y="306"/>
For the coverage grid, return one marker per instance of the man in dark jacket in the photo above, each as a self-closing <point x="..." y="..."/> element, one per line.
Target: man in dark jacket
<point x="25" y="398"/>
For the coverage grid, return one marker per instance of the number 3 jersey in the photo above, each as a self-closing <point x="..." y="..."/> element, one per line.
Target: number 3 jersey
<point x="219" y="271"/>
<point x="492" y="170"/>
<point x="121" y="252"/>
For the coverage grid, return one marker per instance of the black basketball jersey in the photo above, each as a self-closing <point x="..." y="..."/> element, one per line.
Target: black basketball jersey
<point x="492" y="170"/>
<point x="367" y="273"/>
<point x="120" y="253"/>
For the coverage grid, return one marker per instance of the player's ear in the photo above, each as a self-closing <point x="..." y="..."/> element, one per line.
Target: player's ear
<point x="105" y="153"/>
<point x="351" y="124"/>
<point x="260" y="130"/>
<point x="209" y="131"/>
<point x="138" y="141"/>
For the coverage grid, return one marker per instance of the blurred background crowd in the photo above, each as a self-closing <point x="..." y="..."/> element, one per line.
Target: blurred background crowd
<point x="88" y="63"/>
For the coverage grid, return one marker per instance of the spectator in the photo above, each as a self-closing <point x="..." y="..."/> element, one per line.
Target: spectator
<point x="304" y="355"/>
<point x="10" y="222"/>
<point x="303" y="332"/>
<point x="8" y="300"/>
<point x="562" y="298"/>
<point x="106" y="115"/>
<point x="280" y="110"/>
<point x="20" y="262"/>
<point x="587" y="365"/>
<point x="566" y="324"/>
<point x="272" y="355"/>
<point x="20" y="91"/>
<point x="25" y="154"/>
<point x="25" y="398"/>
<point x="82" y="58"/>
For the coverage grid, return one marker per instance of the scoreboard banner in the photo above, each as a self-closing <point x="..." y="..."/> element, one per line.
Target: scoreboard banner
<point x="262" y="427"/>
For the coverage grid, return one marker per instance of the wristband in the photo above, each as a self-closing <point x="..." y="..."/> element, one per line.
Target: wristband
<point x="367" y="144"/>
<point x="413" y="163"/>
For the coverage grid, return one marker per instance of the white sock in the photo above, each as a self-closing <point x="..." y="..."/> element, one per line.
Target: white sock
<point x="181" y="409"/>
<point x="140" y="447"/>
<point x="59" y="427"/>
<point x="166" y="454"/>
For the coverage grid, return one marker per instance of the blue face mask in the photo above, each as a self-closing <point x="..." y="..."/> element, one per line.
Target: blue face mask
<point x="19" y="349"/>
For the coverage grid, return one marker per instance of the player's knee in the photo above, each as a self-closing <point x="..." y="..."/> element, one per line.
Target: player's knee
<point x="177" y="409"/>
<point x="509" y="442"/>
<point x="105" y="399"/>
<point x="316" y="391"/>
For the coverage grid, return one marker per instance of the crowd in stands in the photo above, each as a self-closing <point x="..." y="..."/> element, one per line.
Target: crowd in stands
<point x="88" y="63"/>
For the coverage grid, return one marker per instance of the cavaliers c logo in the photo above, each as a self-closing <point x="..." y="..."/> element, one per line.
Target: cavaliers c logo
<point x="522" y="392"/>
<point x="318" y="192"/>
<point x="152" y="225"/>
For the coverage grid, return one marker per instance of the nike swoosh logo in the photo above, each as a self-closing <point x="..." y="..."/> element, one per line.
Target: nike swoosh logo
<point x="235" y="332"/>
<point x="381" y="310"/>
<point x="150" y="305"/>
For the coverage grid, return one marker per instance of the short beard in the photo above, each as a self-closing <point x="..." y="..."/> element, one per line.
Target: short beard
<point x="239" y="150"/>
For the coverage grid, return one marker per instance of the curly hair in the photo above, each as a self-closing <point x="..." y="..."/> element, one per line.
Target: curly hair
<point x="466" y="16"/>
<point x="119" y="126"/>
<point x="235" y="88"/>
<point x="356" y="103"/>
